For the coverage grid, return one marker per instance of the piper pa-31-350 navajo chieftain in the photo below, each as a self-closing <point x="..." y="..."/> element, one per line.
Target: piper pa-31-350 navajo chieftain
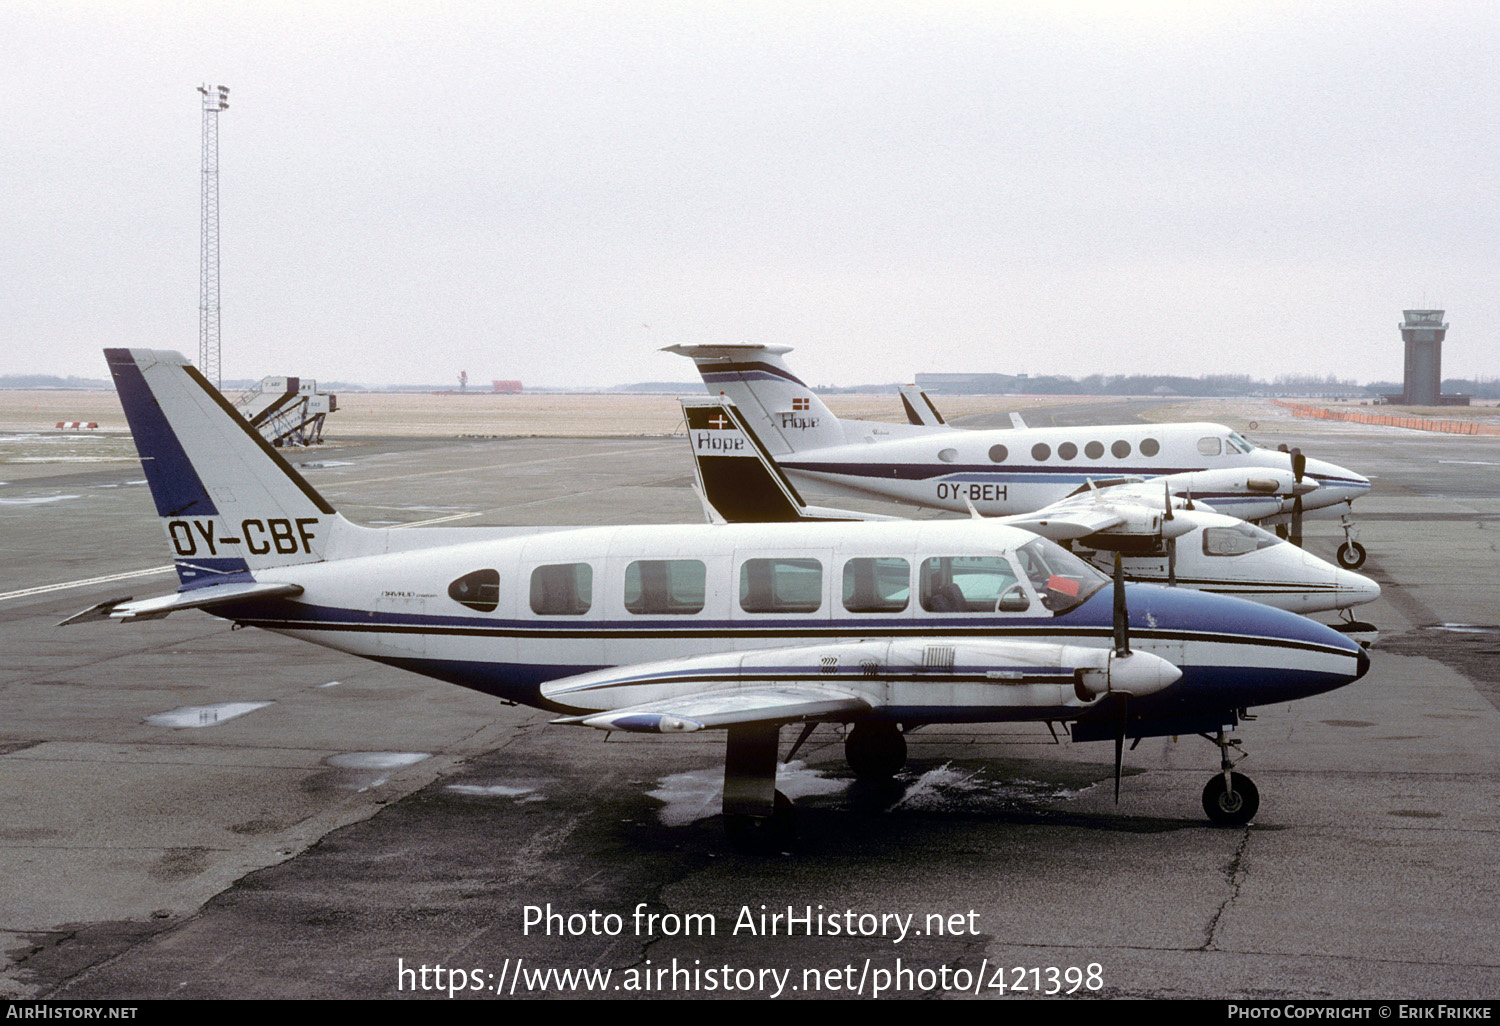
<point x="1003" y="472"/>
<point x="1161" y="536"/>
<point x="672" y="629"/>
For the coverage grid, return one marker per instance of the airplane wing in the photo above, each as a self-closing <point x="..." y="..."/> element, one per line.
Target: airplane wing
<point x="126" y="610"/>
<point x="727" y="707"/>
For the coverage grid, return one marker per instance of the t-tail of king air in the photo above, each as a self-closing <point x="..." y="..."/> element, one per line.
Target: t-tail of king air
<point x="1004" y="472"/>
<point x="744" y="628"/>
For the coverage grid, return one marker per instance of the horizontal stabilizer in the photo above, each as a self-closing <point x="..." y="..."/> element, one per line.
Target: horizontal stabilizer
<point x="730" y="707"/>
<point x="125" y="610"/>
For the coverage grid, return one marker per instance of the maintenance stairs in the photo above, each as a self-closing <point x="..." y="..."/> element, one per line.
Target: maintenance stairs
<point x="287" y="411"/>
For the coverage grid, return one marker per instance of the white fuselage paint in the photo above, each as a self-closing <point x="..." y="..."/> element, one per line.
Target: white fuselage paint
<point x="397" y="607"/>
<point x="949" y="469"/>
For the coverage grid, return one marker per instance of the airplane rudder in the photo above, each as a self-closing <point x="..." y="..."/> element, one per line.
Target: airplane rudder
<point x="228" y="501"/>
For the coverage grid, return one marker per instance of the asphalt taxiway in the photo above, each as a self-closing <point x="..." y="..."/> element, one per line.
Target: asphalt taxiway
<point x="192" y="811"/>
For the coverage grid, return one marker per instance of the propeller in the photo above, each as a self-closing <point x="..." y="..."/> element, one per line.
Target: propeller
<point x="1299" y="470"/>
<point x="1171" y="541"/>
<point x="1122" y="651"/>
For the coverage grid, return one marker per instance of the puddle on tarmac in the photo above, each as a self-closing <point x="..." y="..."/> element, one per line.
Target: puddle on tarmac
<point x="949" y="786"/>
<point x="35" y="501"/>
<point x="203" y="715"/>
<point x="524" y="794"/>
<point x="376" y="760"/>
<point x="360" y="771"/>
<point x="697" y="795"/>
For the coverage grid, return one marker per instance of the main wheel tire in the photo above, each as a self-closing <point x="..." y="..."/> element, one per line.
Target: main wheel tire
<point x="875" y="751"/>
<point x="1351" y="555"/>
<point x="764" y="835"/>
<point x="1226" y="807"/>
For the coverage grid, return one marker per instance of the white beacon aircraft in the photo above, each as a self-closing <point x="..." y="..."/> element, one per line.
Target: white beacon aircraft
<point x="1161" y="536"/>
<point x="1002" y="472"/>
<point x="745" y="628"/>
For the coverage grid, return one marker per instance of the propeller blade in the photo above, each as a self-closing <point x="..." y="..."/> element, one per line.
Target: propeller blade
<point x="1295" y="535"/>
<point x="1299" y="465"/>
<point x="1122" y="615"/>
<point x="1171" y="562"/>
<point x="1120" y="715"/>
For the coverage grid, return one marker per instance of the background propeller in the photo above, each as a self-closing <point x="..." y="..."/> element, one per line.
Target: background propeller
<point x="1299" y="470"/>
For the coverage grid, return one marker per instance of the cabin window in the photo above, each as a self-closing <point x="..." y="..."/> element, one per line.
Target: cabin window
<point x="1150" y="447"/>
<point x="1067" y="451"/>
<point x="479" y="590"/>
<point x="1094" y="450"/>
<point x="1210" y="445"/>
<point x="1120" y="449"/>
<point x="998" y="453"/>
<point x="781" y="585"/>
<point x="1236" y="540"/>
<point x="562" y="589"/>
<point x="877" y="585"/>
<point x="971" y="584"/>
<point x="948" y="455"/>
<point x="1040" y="451"/>
<point x="674" y="587"/>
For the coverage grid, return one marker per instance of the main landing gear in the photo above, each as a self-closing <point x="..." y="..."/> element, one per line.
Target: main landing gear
<point x="875" y="751"/>
<point x="759" y="819"/>
<point x="1229" y="798"/>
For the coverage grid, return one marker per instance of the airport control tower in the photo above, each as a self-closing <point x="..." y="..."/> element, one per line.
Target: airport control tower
<point x="1423" y="332"/>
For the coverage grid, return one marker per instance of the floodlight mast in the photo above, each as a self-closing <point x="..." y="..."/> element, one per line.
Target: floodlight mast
<point x="215" y="99"/>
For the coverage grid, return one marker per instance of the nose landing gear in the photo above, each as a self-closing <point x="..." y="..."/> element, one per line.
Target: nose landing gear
<point x="1351" y="554"/>
<point x="1229" y="798"/>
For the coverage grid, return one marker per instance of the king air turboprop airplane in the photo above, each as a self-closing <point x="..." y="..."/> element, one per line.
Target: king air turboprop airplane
<point x="745" y="628"/>
<point x="1003" y="472"/>
<point x="1161" y="536"/>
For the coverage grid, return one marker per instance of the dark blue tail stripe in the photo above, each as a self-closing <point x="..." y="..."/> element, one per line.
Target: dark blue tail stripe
<point x="175" y="485"/>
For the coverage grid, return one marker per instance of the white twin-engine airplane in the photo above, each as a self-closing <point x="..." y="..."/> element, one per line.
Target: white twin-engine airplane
<point x="1001" y="472"/>
<point x="747" y="628"/>
<point x="1162" y="536"/>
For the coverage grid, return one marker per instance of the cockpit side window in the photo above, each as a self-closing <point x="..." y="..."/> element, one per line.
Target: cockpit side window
<point x="480" y="590"/>
<point x="1210" y="445"/>
<point x="1236" y="540"/>
<point x="1061" y="579"/>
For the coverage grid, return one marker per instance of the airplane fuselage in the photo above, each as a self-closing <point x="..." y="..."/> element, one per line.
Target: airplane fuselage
<point x="1017" y="471"/>
<point x="506" y="615"/>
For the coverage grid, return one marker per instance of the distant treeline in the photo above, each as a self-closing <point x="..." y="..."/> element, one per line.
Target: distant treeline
<point x="1161" y="384"/>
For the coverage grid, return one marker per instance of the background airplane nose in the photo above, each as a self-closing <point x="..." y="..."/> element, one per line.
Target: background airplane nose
<point x="1355" y="589"/>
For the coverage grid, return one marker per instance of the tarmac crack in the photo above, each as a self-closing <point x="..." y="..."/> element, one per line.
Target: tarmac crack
<point x="1234" y="874"/>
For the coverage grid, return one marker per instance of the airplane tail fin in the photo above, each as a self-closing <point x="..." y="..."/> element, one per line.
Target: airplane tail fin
<point x="919" y="408"/>
<point x="737" y="477"/>
<point x="229" y="502"/>
<point x="789" y="416"/>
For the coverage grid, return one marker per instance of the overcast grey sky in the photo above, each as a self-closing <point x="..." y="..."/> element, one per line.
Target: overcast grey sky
<point x="551" y="191"/>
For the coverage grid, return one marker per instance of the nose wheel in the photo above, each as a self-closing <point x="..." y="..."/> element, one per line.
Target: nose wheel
<point x="1229" y="798"/>
<point x="1351" y="554"/>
